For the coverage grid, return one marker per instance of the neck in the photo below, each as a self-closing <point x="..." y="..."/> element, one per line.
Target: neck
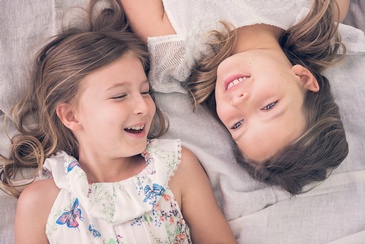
<point x="111" y="170"/>
<point x="257" y="37"/>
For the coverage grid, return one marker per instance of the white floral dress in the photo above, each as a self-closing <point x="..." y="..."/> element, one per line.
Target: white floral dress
<point x="141" y="209"/>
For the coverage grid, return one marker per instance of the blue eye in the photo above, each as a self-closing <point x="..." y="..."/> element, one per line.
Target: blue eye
<point x="237" y="125"/>
<point x="269" y="106"/>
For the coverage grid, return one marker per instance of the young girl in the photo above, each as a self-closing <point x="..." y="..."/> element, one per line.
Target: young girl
<point x="263" y="80"/>
<point x="94" y="116"/>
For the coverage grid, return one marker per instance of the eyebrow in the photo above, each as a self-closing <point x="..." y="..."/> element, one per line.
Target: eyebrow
<point x="123" y="84"/>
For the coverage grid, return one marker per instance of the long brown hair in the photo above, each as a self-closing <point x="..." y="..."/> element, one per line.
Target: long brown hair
<point x="60" y="67"/>
<point x="314" y="43"/>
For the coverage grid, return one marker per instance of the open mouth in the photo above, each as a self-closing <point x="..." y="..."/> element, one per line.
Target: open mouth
<point x="135" y="129"/>
<point x="236" y="81"/>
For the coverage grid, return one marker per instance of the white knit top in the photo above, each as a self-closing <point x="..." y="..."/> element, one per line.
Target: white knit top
<point x="173" y="56"/>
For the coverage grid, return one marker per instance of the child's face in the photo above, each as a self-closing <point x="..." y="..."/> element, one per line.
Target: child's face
<point x="115" y="109"/>
<point x="260" y="101"/>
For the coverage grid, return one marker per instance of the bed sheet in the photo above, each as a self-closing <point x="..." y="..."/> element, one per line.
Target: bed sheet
<point x="331" y="212"/>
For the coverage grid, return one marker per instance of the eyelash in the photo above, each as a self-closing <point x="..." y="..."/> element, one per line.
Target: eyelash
<point x="269" y="106"/>
<point x="237" y="125"/>
<point x="124" y="95"/>
<point x="119" y="97"/>
<point x="147" y="92"/>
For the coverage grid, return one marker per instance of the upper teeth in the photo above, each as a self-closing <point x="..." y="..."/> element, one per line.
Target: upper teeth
<point x="136" y="127"/>
<point x="236" y="81"/>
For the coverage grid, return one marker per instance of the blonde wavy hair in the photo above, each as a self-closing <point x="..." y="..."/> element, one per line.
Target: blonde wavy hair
<point x="60" y="67"/>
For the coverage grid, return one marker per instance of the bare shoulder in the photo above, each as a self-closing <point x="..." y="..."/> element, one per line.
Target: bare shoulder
<point x="189" y="168"/>
<point x="38" y="197"/>
<point x="33" y="207"/>
<point x="197" y="202"/>
<point x="188" y="159"/>
<point x="34" y="194"/>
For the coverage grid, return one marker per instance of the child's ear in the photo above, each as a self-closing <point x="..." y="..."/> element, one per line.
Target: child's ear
<point x="306" y="77"/>
<point x="67" y="116"/>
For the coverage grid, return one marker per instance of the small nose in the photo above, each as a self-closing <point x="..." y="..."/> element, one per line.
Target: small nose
<point x="239" y="98"/>
<point x="141" y="105"/>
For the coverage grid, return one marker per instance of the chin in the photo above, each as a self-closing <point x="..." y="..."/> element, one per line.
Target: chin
<point x="141" y="147"/>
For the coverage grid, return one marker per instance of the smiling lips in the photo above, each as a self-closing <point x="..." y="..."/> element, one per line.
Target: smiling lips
<point x="230" y="82"/>
<point x="135" y="129"/>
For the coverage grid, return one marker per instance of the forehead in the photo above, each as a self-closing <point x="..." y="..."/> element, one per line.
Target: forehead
<point x="124" y="68"/>
<point x="123" y="72"/>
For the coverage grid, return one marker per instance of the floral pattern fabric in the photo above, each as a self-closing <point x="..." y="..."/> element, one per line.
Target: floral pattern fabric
<point x="140" y="209"/>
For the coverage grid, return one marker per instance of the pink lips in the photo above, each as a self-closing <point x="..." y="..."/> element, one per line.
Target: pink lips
<point x="138" y="130"/>
<point x="232" y="78"/>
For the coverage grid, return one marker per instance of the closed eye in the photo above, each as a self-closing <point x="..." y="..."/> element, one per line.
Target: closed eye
<point x="269" y="106"/>
<point x="119" y="97"/>
<point x="146" y="92"/>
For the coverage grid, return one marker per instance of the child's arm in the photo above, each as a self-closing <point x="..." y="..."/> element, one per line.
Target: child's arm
<point x="147" y="18"/>
<point x="198" y="204"/>
<point x="343" y="6"/>
<point x="33" y="208"/>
